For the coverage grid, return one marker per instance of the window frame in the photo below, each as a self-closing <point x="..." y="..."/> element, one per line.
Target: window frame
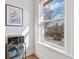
<point x="64" y="50"/>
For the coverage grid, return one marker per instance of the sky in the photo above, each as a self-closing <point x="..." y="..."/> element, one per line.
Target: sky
<point x="54" y="9"/>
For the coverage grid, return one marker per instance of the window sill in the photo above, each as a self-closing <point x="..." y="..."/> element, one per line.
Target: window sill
<point x="58" y="49"/>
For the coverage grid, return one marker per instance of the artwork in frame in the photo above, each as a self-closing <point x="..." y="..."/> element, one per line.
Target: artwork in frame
<point x="13" y="16"/>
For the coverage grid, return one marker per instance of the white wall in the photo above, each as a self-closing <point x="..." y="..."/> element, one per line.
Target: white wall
<point x="28" y="19"/>
<point x="47" y="53"/>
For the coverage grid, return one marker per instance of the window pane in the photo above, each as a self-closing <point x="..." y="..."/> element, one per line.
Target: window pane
<point x="54" y="32"/>
<point x="54" y="9"/>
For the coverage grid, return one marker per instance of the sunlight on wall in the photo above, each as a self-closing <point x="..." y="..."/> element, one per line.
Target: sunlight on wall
<point x="25" y="33"/>
<point x="27" y="41"/>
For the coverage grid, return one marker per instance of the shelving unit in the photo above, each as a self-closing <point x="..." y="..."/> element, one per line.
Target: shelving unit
<point x="23" y="55"/>
<point x="16" y="48"/>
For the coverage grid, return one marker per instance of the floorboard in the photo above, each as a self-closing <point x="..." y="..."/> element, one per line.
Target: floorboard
<point x="32" y="57"/>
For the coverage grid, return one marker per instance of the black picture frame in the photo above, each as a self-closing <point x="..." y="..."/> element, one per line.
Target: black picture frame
<point x="18" y="9"/>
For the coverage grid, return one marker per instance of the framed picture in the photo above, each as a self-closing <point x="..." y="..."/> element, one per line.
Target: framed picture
<point x="13" y="16"/>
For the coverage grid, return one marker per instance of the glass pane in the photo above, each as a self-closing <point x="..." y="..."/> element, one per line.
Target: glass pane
<point x="54" y="9"/>
<point x="54" y="32"/>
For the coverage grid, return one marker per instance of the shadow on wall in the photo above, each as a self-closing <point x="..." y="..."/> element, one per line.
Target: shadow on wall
<point x="25" y="33"/>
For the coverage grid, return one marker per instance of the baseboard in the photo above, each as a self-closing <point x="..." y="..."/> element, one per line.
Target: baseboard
<point x="34" y="53"/>
<point x="37" y="54"/>
<point x="29" y="54"/>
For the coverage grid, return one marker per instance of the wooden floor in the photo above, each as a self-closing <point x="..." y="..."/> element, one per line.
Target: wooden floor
<point x="32" y="57"/>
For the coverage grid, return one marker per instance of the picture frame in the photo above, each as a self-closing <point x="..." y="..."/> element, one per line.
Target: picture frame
<point x="13" y="15"/>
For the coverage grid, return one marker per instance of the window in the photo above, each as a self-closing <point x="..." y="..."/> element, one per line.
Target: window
<point x="52" y="22"/>
<point x="55" y="25"/>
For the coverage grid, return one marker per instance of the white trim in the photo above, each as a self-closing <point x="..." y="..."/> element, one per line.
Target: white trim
<point x="55" y="19"/>
<point x="38" y="55"/>
<point x="42" y="22"/>
<point x="29" y="53"/>
<point x="55" y="48"/>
